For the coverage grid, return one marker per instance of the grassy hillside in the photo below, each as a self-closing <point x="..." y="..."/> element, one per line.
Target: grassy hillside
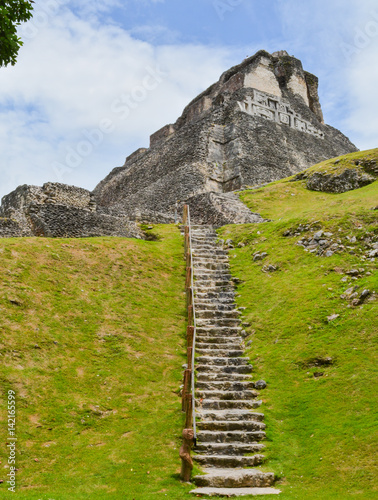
<point x="321" y="403"/>
<point x="92" y="342"/>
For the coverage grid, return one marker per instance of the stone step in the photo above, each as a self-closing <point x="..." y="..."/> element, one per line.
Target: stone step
<point x="224" y="385"/>
<point x="222" y="377"/>
<point x="228" y="448"/>
<point x="225" y="369"/>
<point x="228" y="436"/>
<point x="230" y="415"/>
<point x="224" y="346"/>
<point x="203" y="271"/>
<point x="224" y="382"/>
<point x="204" y="264"/>
<point x="206" y="246"/>
<point x="208" y="253"/>
<point x="217" y="303"/>
<point x="226" y="395"/>
<point x="210" y="360"/>
<point x="218" y="315"/>
<point x="216" y="307"/>
<point x="219" y="425"/>
<point x="218" y="330"/>
<point x="211" y="283"/>
<point x="200" y="236"/>
<point x="221" y="259"/>
<point x="227" y="353"/>
<point x="234" y="492"/>
<point x="216" y="295"/>
<point x="203" y="277"/>
<point x="209" y="404"/>
<point x="212" y="340"/>
<point x="217" y="291"/>
<point x="230" y="322"/>
<point x="239" y="478"/>
<point x="223" y="461"/>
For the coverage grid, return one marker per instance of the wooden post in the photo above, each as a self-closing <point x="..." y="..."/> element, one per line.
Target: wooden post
<point x="185" y="215"/>
<point x="186" y="388"/>
<point x="189" y="335"/>
<point x="190" y="351"/>
<point x="187" y="243"/>
<point x="190" y="313"/>
<point x="188" y="259"/>
<point x="189" y="412"/>
<point x="186" y="460"/>
<point x="188" y="280"/>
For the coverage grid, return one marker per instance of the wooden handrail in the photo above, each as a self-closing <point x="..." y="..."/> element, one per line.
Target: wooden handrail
<point x="188" y="401"/>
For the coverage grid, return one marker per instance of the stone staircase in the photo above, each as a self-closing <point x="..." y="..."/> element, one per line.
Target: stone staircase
<point x="229" y="431"/>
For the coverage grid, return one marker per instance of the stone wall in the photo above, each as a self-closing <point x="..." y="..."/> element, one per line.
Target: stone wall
<point x="9" y="228"/>
<point x="59" y="210"/>
<point x="60" y="221"/>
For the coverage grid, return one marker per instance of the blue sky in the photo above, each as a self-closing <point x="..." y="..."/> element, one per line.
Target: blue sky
<point x="94" y="79"/>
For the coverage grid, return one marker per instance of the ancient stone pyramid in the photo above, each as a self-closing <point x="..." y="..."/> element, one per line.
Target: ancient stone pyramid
<point x="262" y="121"/>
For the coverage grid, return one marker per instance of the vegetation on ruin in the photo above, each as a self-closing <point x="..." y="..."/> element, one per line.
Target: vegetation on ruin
<point x="362" y="161"/>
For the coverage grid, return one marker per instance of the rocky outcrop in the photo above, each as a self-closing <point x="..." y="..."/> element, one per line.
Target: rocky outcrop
<point x="347" y="180"/>
<point x="342" y="174"/>
<point x="58" y="210"/>
<point x="220" y="209"/>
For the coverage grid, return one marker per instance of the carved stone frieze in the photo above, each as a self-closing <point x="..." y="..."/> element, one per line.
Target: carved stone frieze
<point x="275" y="109"/>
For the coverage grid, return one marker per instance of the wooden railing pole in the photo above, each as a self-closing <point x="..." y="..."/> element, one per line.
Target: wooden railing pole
<point x="189" y="351"/>
<point x="187" y="243"/>
<point x="189" y="412"/>
<point x="186" y="388"/>
<point x="188" y="277"/>
<point x="185" y="215"/>
<point x="190" y="314"/>
<point x="187" y="397"/>
<point x="186" y="460"/>
<point x="189" y="335"/>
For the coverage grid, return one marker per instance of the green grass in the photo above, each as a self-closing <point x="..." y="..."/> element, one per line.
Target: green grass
<point x="283" y="200"/>
<point x="92" y="341"/>
<point x="322" y="431"/>
<point x="359" y="161"/>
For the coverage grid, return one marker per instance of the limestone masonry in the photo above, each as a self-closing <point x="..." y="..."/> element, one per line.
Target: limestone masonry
<point x="262" y="121"/>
